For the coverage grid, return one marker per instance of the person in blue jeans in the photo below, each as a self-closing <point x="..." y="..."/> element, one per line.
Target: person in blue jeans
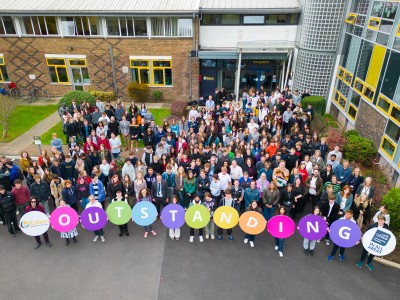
<point x="270" y="198"/>
<point x="249" y="238"/>
<point x="279" y="242"/>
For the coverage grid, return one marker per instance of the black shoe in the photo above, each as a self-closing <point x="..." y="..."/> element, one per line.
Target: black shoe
<point x="74" y="240"/>
<point x="38" y="245"/>
<point x="66" y="242"/>
<point x="49" y="244"/>
<point x="127" y="233"/>
<point x="311" y="252"/>
<point x="120" y="234"/>
<point x="306" y="252"/>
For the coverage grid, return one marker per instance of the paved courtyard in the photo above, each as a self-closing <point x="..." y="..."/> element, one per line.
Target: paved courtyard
<point x="158" y="268"/>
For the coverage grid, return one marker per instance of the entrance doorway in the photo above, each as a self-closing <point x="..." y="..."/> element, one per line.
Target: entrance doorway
<point x="255" y="79"/>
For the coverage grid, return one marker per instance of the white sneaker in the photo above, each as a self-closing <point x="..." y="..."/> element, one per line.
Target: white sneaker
<point x="1" y="222"/>
<point x="201" y="239"/>
<point x="212" y="237"/>
<point x="246" y="241"/>
<point x="207" y="236"/>
<point x="280" y="254"/>
<point x="103" y="239"/>
<point x="171" y="237"/>
<point x="96" y="238"/>
<point x="251" y="244"/>
<point x="17" y="212"/>
<point x="191" y="239"/>
<point x="276" y="247"/>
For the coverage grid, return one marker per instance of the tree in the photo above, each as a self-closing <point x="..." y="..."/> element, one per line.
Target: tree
<point x="7" y="106"/>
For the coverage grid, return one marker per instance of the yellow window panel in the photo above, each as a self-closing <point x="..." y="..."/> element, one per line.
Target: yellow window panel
<point x="374" y="23"/>
<point x="139" y="63"/>
<point x="398" y="30"/>
<point x="55" y="61"/>
<point x="369" y="93"/>
<point x="388" y="147"/>
<point x="395" y="114"/>
<point x="1" y="60"/>
<point x="352" y="111"/>
<point x="351" y="18"/>
<point x="336" y="95"/>
<point x="383" y="104"/>
<point x="358" y="86"/>
<point x="348" y="77"/>
<point x="340" y="72"/>
<point x="77" y="62"/>
<point x="375" y="65"/>
<point x="342" y="101"/>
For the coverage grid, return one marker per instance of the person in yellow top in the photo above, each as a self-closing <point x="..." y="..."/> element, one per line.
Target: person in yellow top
<point x="25" y="162"/>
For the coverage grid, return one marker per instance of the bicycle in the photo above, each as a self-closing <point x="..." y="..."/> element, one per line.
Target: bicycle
<point x="33" y="94"/>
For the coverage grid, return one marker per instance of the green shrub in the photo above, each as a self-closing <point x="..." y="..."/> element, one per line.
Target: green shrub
<point x="376" y="174"/>
<point x="352" y="132"/>
<point x="138" y="91"/>
<point x="359" y="149"/>
<point x="391" y="199"/>
<point x="79" y="96"/>
<point x="103" y="96"/>
<point x="157" y="95"/>
<point x="329" y="121"/>
<point x="318" y="103"/>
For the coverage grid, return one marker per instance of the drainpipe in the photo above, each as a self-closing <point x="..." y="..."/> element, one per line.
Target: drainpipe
<point x="238" y="75"/>
<point x="113" y="71"/>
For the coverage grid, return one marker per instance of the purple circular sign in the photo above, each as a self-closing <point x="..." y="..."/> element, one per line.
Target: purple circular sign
<point x="93" y="218"/>
<point x="345" y="233"/>
<point x="173" y="216"/>
<point x="312" y="227"/>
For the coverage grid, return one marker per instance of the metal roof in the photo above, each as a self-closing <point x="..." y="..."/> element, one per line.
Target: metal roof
<point x="248" y="5"/>
<point x="98" y="6"/>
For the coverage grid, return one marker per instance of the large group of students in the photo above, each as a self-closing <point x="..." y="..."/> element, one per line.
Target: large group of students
<point x="259" y="154"/>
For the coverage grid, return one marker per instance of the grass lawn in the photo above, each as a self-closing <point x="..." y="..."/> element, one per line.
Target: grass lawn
<point x="159" y="115"/>
<point x="24" y="117"/>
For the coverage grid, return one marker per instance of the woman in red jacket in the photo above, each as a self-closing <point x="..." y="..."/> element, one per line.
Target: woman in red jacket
<point x="34" y="206"/>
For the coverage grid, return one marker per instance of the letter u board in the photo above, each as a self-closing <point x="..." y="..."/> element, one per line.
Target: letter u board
<point x="93" y="218"/>
<point x="379" y="241"/>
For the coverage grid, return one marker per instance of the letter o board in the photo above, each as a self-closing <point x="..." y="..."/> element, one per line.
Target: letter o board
<point x="64" y="219"/>
<point x="34" y="223"/>
<point x="379" y="241"/>
<point x="345" y="233"/>
<point x="252" y="222"/>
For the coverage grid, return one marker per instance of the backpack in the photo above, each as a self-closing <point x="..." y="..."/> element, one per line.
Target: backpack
<point x="20" y="174"/>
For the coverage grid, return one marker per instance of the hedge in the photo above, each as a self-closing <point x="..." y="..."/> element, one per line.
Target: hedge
<point x="79" y="96"/>
<point x="103" y="96"/>
<point x="359" y="149"/>
<point x="391" y="199"/>
<point x="318" y="103"/>
<point x="138" y="91"/>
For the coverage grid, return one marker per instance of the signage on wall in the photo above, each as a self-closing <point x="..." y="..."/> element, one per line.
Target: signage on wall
<point x="125" y="70"/>
<point x="263" y="62"/>
<point x="208" y="78"/>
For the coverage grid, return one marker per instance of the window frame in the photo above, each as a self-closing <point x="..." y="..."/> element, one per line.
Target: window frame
<point x="155" y="68"/>
<point x="57" y="66"/>
<point x="351" y="105"/>
<point x="1" y="72"/>
<point x="140" y="68"/>
<point x="389" y="140"/>
<point x="349" y="21"/>
<point x="150" y="68"/>
<point x="378" y="20"/>
<point x="398" y="30"/>
<point x="386" y="99"/>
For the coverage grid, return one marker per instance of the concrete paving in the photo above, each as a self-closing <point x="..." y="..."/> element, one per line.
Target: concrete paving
<point x="158" y="268"/>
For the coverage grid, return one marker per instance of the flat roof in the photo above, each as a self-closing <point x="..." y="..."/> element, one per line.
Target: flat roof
<point x="98" y="6"/>
<point x="243" y="6"/>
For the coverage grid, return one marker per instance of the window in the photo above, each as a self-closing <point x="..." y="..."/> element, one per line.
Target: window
<point x="7" y="25"/>
<point x="355" y="99"/>
<point x="395" y="114"/>
<point x="383" y="104"/>
<point x="352" y="111"/>
<point x="392" y="131"/>
<point x="253" y="19"/>
<point x="140" y="26"/>
<point x="377" y="9"/>
<point x="398" y="30"/>
<point x="230" y="20"/>
<point x="392" y="75"/>
<point x="373" y="23"/>
<point x="351" y="18"/>
<point x="211" y="19"/>
<point x="388" y="147"/>
<point x="152" y="71"/>
<point x="58" y="70"/>
<point x="390" y="10"/>
<point x="3" y="71"/>
<point x="171" y="27"/>
<point x="126" y="26"/>
<point x="39" y="25"/>
<point x="81" y="26"/>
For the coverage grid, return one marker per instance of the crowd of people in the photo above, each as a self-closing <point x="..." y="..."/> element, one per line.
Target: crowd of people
<point x="259" y="154"/>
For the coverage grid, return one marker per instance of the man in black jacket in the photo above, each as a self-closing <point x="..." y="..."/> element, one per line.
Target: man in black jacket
<point x="41" y="191"/>
<point x="9" y="210"/>
<point x="159" y="193"/>
<point x="329" y="211"/>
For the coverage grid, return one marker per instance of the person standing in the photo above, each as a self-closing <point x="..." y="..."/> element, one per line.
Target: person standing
<point x="9" y="210"/>
<point x="211" y="205"/>
<point x="249" y="238"/>
<point x="21" y="196"/>
<point x="35" y="206"/>
<point x="329" y="211"/>
<point x="70" y="234"/>
<point x="69" y="195"/>
<point x="279" y="241"/>
<point x="124" y="130"/>
<point x="41" y="191"/>
<point x="159" y="193"/>
<point x="93" y="202"/>
<point x="145" y="196"/>
<point x="379" y="224"/>
<point x="97" y="190"/>
<point x="309" y="245"/>
<point x="226" y="201"/>
<point x="175" y="233"/>
<point x="196" y="201"/>
<point x="270" y="199"/>
<point x="314" y="185"/>
<point x="251" y="194"/>
<point x="82" y="192"/>
<point x="123" y="229"/>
